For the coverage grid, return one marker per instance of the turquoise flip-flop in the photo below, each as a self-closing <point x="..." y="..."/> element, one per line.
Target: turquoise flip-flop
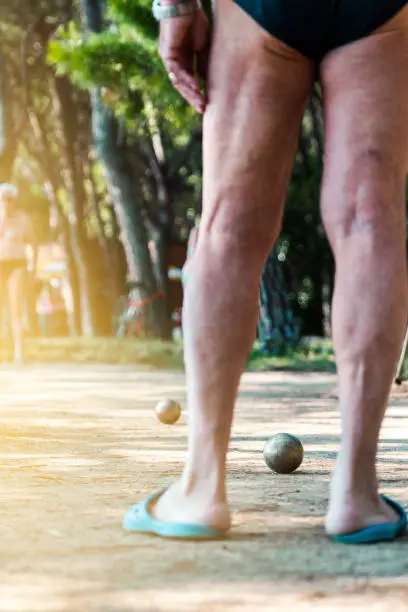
<point x="385" y="532"/>
<point x="139" y="520"/>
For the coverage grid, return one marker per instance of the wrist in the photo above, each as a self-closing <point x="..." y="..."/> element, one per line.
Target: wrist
<point x="167" y="9"/>
<point x="176" y="2"/>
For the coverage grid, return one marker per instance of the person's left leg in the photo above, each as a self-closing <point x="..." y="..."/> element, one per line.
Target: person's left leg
<point x="363" y="209"/>
<point x="17" y="283"/>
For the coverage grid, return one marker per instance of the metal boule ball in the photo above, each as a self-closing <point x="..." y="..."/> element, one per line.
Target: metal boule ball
<point x="283" y="453"/>
<point x="168" y="411"/>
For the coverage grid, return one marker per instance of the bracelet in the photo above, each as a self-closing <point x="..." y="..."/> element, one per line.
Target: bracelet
<point x="185" y="7"/>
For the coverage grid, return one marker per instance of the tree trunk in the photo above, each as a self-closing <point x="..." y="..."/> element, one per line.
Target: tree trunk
<point x="9" y="131"/>
<point x="74" y="316"/>
<point x="66" y="110"/>
<point x="110" y="260"/>
<point x="278" y="330"/>
<point x="117" y="253"/>
<point x="161" y="241"/>
<point x="126" y="202"/>
<point x="112" y="150"/>
<point x="327" y="296"/>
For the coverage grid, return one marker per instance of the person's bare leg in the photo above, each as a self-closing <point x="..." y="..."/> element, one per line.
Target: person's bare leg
<point x="16" y="290"/>
<point x="257" y="92"/>
<point x="363" y="208"/>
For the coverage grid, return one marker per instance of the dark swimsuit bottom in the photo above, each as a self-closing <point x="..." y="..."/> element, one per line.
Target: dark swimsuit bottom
<point x="8" y="266"/>
<point x="316" y="27"/>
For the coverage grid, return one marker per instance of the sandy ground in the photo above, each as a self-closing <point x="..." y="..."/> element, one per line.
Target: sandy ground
<point x="80" y="444"/>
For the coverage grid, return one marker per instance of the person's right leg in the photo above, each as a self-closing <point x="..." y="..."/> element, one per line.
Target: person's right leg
<point x="363" y="208"/>
<point x="257" y="91"/>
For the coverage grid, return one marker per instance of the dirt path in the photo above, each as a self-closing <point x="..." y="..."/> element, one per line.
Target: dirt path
<point x="80" y="444"/>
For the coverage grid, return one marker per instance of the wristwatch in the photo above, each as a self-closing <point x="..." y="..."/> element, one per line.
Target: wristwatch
<point x="185" y="7"/>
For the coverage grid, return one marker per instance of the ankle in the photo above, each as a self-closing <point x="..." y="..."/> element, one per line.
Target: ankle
<point x="208" y="484"/>
<point x="355" y="475"/>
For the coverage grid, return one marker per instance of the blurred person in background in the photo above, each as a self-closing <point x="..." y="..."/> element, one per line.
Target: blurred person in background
<point x="17" y="258"/>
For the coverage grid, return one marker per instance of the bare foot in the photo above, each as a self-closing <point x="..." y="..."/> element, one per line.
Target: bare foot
<point x="357" y="514"/>
<point x="196" y="507"/>
<point x="355" y="508"/>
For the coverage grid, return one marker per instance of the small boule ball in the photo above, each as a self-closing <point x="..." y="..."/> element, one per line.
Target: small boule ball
<point x="168" y="411"/>
<point x="283" y="453"/>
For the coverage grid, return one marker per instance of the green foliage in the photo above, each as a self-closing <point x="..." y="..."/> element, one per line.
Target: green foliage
<point x="124" y="62"/>
<point x="139" y="14"/>
<point x="312" y="355"/>
<point x="103" y="59"/>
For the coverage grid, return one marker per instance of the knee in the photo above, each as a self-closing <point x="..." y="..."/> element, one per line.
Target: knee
<point x="239" y="229"/>
<point x="366" y="197"/>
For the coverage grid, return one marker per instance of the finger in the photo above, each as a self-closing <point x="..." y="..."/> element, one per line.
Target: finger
<point x="181" y="81"/>
<point x="195" y="100"/>
<point x="192" y="96"/>
<point x="179" y="72"/>
<point x="186" y="86"/>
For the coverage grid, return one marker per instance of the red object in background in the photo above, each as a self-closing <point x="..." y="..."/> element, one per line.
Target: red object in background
<point x="177" y="318"/>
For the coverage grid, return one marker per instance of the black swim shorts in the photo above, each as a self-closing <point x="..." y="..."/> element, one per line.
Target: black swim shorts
<point x="315" y="27"/>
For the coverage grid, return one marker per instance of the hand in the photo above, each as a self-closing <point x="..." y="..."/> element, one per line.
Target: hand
<point x="184" y="48"/>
